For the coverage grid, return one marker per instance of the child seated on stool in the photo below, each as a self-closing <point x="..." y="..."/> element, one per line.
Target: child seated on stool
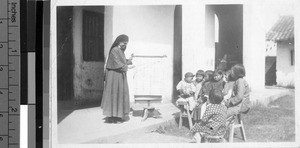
<point x="218" y="82"/>
<point x="198" y="82"/>
<point x="187" y="90"/>
<point x="213" y="122"/>
<point x="228" y="87"/>
<point x="202" y="96"/>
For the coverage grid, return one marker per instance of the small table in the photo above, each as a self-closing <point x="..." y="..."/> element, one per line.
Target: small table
<point x="147" y="99"/>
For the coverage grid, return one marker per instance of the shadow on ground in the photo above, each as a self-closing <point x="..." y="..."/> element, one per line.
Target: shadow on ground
<point x="65" y="108"/>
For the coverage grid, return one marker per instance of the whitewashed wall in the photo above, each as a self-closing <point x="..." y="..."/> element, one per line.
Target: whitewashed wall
<point x="150" y="31"/>
<point x="195" y="54"/>
<point x="254" y="44"/>
<point x="285" y="71"/>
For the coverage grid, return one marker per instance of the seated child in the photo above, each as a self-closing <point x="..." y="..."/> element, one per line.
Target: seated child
<point x="218" y="82"/>
<point x="202" y="96"/>
<point x="228" y="87"/>
<point x="187" y="90"/>
<point x="213" y="122"/>
<point x="198" y="82"/>
<point x="240" y="101"/>
<point x="204" y="92"/>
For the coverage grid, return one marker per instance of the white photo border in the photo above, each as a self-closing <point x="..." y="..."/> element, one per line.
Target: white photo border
<point x="53" y="70"/>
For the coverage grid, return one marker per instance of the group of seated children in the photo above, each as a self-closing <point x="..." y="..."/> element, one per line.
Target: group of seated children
<point x="207" y="96"/>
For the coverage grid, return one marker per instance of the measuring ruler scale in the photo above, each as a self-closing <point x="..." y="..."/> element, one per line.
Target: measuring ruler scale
<point x="9" y="73"/>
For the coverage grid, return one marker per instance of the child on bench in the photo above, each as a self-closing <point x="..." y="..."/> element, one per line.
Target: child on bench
<point x="187" y="90"/>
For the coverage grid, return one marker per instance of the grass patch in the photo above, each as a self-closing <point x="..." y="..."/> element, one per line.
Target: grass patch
<point x="272" y="123"/>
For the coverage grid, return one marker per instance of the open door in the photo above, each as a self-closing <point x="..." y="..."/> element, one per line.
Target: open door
<point x="65" y="59"/>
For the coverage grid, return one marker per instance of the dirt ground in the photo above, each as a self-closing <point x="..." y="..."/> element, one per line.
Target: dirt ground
<point x="155" y="137"/>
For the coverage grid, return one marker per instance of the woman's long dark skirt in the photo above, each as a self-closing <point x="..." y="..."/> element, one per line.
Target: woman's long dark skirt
<point x="115" y="99"/>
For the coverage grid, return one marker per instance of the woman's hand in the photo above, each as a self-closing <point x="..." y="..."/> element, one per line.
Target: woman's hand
<point x="131" y="57"/>
<point x="129" y="61"/>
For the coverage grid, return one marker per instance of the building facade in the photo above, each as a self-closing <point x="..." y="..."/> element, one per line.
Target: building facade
<point x="173" y="39"/>
<point x="281" y="35"/>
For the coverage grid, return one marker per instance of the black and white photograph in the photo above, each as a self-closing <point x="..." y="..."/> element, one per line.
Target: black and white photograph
<point x="171" y="72"/>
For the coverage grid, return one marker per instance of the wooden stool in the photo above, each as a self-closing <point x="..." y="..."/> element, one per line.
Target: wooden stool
<point x="147" y="111"/>
<point x="237" y="124"/>
<point x="147" y="99"/>
<point x="184" y="105"/>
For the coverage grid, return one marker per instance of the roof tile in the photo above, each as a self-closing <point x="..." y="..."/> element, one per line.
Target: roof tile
<point x="282" y="30"/>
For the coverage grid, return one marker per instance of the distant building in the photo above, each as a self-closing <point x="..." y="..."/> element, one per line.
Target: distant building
<point x="280" y="67"/>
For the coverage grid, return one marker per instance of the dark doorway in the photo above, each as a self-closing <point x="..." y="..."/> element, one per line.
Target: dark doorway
<point x="270" y="75"/>
<point x="65" y="59"/>
<point x="230" y="41"/>
<point x="177" y="61"/>
<point x="93" y="35"/>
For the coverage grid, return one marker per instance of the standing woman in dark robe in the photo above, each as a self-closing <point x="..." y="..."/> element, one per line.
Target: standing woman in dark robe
<point x="115" y="99"/>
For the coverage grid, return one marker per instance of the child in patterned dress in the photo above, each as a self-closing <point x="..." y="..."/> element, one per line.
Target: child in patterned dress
<point x="187" y="90"/>
<point x="213" y="122"/>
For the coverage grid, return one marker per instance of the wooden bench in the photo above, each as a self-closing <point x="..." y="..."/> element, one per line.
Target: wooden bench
<point x="147" y="99"/>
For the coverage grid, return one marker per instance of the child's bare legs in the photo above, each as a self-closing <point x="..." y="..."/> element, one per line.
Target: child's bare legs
<point x="192" y="103"/>
<point x="203" y="108"/>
